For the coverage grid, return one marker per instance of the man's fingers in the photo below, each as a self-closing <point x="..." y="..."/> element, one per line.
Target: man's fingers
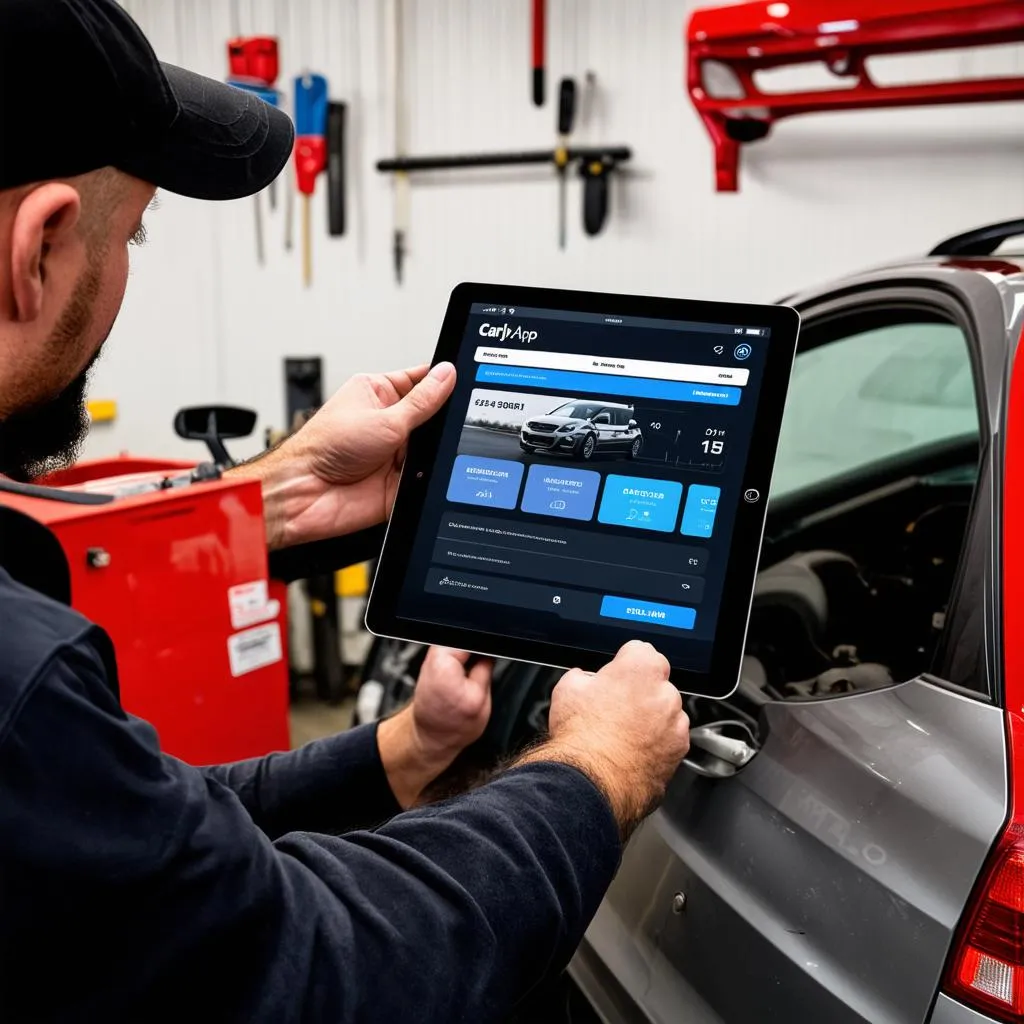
<point x="642" y="654"/>
<point x="403" y="381"/>
<point x="424" y="399"/>
<point x="449" y="652"/>
<point x="481" y="671"/>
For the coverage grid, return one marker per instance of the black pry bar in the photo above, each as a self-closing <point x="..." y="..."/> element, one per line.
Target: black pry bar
<point x="336" y="169"/>
<point x="410" y="164"/>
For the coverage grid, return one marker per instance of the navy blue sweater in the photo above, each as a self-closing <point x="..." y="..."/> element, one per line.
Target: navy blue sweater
<point x="134" y="887"/>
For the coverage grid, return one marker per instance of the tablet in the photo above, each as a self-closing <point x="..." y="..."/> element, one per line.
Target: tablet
<point x="600" y="474"/>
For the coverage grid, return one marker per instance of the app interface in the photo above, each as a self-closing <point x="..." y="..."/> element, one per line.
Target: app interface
<point x="587" y="480"/>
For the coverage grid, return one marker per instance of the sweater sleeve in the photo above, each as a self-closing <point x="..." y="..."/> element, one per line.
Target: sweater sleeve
<point x="163" y="900"/>
<point x="331" y="785"/>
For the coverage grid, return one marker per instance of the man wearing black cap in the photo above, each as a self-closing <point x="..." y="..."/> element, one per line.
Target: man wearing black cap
<point x="136" y="888"/>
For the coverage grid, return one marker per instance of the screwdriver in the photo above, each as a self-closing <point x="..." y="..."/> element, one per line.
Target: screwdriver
<point x="310" y="152"/>
<point x="566" y="117"/>
<point x="538" y="57"/>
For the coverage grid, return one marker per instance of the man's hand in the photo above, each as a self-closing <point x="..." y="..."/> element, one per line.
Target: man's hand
<point x="449" y="710"/>
<point x="339" y="473"/>
<point x="624" y="727"/>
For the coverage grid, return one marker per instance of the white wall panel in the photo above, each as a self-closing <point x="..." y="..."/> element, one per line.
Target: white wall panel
<point x="823" y="195"/>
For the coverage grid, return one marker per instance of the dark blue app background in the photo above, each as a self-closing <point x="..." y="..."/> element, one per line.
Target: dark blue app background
<point x="582" y="494"/>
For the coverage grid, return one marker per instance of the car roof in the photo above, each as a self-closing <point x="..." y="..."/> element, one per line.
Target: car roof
<point x="993" y="251"/>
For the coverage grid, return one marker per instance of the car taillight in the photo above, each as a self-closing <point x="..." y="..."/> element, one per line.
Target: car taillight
<point x="986" y="968"/>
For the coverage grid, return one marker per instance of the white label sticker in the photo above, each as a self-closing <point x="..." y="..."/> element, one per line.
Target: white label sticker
<point x="254" y="648"/>
<point x="249" y="603"/>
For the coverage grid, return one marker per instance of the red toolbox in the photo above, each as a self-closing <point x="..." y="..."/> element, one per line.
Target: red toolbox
<point x="178" y="578"/>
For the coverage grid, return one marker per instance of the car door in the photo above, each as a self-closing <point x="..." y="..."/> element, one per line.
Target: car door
<point x="823" y="881"/>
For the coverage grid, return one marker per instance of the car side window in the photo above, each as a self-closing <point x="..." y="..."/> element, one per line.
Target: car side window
<point x="871" y="395"/>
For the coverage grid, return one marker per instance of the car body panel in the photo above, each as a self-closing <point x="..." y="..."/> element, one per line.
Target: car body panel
<point x="949" y="1011"/>
<point x="825" y="880"/>
<point x="831" y="922"/>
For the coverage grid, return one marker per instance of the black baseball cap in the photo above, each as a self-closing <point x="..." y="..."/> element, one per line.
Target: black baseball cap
<point x="80" y="89"/>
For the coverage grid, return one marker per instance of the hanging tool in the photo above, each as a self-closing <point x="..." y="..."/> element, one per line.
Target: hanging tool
<point x="596" y="165"/>
<point x="255" y="58"/>
<point x="409" y="164"/>
<point x="538" y="32"/>
<point x="401" y="183"/>
<point x="289" y="215"/>
<point x="336" y="168"/>
<point x="566" y="116"/>
<point x="253" y="65"/>
<point x="310" y="153"/>
<point x="595" y="174"/>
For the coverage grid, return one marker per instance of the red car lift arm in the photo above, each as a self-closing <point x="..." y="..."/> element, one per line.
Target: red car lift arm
<point x="726" y="46"/>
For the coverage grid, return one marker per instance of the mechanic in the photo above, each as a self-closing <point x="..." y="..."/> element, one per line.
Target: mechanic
<point x="134" y="887"/>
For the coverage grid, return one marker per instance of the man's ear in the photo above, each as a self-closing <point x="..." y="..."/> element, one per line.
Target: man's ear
<point x="43" y="221"/>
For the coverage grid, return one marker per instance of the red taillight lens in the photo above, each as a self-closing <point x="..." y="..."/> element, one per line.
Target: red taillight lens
<point x="986" y="970"/>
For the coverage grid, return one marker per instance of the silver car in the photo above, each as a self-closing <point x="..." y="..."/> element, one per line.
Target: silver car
<point x="845" y="842"/>
<point x="584" y="429"/>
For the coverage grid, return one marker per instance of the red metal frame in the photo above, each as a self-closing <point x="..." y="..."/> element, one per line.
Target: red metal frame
<point x="751" y="37"/>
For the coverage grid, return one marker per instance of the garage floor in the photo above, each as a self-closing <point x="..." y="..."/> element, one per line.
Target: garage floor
<point x="312" y="719"/>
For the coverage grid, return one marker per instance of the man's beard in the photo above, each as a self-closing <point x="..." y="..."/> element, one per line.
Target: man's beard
<point x="49" y="435"/>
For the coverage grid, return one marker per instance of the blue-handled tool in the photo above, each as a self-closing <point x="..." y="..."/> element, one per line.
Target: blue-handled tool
<point x="310" y="104"/>
<point x="310" y="151"/>
<point x="271" y="96"/>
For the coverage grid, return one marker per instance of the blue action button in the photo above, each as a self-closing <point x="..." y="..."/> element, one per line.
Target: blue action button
<point x="493" y="483"/>
<point x="699" y="510"/>
<point x="672" y="615"/>
<point x="644" y="503"/>
<point x="742" y="351"/>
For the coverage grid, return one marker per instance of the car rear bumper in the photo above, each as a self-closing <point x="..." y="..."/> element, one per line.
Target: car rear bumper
<point x="949" y="1011"/>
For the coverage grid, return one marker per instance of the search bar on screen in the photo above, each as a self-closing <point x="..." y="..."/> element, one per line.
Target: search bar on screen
<point x="614" y="366"/>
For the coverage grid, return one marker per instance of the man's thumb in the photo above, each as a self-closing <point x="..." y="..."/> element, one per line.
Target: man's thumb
<point x="425" y="398"/>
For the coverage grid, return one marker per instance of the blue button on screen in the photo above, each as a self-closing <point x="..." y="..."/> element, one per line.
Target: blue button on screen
<point x="640" y="502"/>
<point x="493" y="483"/>
<point x="567" y="492"/>
<point x="699" y="510"/>
<point x="607" y="384"/>
<point x="672" y="615"/>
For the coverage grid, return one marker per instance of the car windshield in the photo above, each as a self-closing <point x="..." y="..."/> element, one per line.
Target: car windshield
<point x="578" y="410"/>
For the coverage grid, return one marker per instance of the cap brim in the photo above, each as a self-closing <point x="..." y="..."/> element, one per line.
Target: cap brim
<point x="225" y="143"/>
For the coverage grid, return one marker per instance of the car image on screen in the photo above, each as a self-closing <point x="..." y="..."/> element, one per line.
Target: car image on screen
<point x="584" y="429"/>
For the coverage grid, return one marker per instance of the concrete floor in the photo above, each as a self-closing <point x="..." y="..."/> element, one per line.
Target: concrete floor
<point x="311" y="719"/>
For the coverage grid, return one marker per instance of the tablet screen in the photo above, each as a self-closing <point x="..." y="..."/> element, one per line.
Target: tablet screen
<point x="588" y="475"/>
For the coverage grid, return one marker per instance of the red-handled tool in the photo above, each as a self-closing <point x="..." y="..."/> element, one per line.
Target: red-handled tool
<point x="254" y="58"/>
<point x="539" y="27"/>
<point x="310" y="152"/>
<point x="253" y="65"/>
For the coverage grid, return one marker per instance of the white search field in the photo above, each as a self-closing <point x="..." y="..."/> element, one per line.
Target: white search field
<point x="619" y="367"/>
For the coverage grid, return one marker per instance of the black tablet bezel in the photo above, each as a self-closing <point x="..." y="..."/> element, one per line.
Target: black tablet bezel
<point x="722" y="677"/>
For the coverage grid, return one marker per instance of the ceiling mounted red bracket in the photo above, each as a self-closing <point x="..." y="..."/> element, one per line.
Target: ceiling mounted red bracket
<point x="726" y="46"/>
